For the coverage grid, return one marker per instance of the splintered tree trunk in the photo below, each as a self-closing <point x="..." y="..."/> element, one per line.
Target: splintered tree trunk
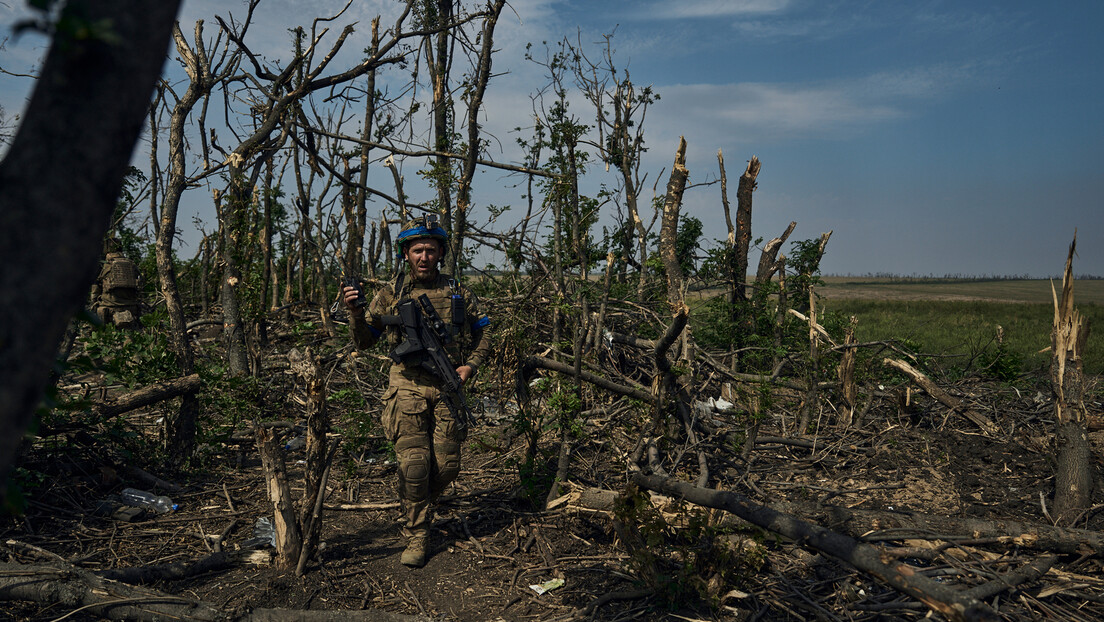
<point x="289" y="539"/>
<point x="318" y="454"/>
<point x="768" y="263"/>
<point x="743" y="223"/>
<point x="668" y="232"/>
<point x="847" y="377"/>
<point x="1073" y="480"/>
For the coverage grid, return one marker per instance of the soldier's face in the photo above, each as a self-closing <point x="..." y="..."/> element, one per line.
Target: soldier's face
<point x="423" y="257"/>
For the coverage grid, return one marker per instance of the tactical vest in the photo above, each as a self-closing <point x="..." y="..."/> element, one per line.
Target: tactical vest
<point x="448" y="300"/>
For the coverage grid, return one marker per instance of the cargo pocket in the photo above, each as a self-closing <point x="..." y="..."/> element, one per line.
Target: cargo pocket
<point x="410" y="416"/>
<point x="387" y="417"/>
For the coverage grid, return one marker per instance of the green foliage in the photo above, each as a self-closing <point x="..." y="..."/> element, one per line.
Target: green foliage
<point x="714" y="266"/>
<point x="698" y="560"/>
<point x="803" y="263"/>
<point x="358" y="428"/>
<point x="132" y="358"/>
<point x="750" y="326"/>
<point x="228" y="400"/>
<point x="687" y="243"/>
<point x="1001" y="363"/>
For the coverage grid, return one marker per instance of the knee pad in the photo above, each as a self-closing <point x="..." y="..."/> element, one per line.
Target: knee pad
<point x="448" y="462"/>
<point x="414" y="470"/>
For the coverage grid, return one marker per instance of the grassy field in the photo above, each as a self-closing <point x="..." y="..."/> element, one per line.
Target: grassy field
<point x="958" y="317"/>
<point x="1027" y="291"/>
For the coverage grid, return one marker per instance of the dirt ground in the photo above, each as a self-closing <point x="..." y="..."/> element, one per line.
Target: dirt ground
<point x="491" y="543"/>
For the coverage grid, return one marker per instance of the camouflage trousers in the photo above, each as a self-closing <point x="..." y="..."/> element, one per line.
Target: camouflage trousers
<point x="427" y="444"/>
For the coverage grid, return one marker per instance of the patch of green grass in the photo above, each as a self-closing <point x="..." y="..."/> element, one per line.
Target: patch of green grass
<point x="968" y="327"/>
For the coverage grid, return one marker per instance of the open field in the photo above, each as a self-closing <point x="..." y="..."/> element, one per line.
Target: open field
<point x="1026" y="291"/>
<point x="957" y="317"/>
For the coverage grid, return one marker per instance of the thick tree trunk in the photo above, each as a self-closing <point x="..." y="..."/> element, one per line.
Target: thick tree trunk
<point x="97" y="89"/>
<point x="743" y="223"/>
<point x="151" y="395"/>
<point x="233" y="328"/>
<point x="1073" y="479"/>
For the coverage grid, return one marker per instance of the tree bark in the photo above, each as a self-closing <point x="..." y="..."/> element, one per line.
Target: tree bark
<point x="150" y="395"/>
<point x="233" y="328"/>
<point x="668" y="232"/>
<point x="1028" y="536"/>
<point x="318" y="454"/>
<point x="97" y="89"/>
<point x="180" y="428"/>
<point x="742" y="241"/>
<point x="289" y="539"/>
<point x="768" y="261"/>
<point x="1073" y="479"/>
<point x="475" y="104"/>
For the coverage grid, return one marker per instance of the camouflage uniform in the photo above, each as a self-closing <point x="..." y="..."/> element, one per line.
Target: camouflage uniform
<point x="116" y="291"/>
<point x="415" y="418"/>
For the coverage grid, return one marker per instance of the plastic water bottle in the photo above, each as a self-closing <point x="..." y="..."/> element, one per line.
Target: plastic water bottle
<point x="143" y="499"/>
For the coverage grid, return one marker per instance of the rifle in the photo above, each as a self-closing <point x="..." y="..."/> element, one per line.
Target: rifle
<point x="425" y="337"/>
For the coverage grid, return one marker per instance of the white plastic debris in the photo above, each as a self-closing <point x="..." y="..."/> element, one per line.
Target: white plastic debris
<point x="547" y="586"/>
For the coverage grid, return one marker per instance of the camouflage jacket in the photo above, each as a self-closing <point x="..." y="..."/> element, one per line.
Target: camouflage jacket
<point x="470" y="345"/>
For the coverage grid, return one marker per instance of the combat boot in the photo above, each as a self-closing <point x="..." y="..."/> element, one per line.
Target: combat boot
<point x="416" y="551"/>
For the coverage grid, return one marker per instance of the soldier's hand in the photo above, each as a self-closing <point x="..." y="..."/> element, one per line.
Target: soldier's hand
<point x="465" y="372"/>
<point x="350" y="295"/>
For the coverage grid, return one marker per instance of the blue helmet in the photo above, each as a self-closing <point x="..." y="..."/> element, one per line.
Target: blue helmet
<point x="422" y="227"/>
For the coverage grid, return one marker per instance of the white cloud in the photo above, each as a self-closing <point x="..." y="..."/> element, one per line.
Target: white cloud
<point x="776" y="112"/>
<point x="761" y="111"/>
<point x="668" y="9"/>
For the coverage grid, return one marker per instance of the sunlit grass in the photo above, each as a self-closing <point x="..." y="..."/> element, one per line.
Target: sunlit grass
<point x="964" y="327"/>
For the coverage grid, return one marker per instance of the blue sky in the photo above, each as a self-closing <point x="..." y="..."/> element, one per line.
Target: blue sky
<point x="931" y="137"/>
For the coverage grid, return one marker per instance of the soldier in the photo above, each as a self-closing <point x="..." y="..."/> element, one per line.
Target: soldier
<point x="115" y="294"/>
<point x="415" y="418"/>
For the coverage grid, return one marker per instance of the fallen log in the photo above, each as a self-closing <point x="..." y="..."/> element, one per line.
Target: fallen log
<point x="947" y="601"/>
<point x="540" y="362"/>
<point x="176" y="571"/>
<point x="1030" y="536"/>
<point x="67" y="587"/>
<point x="152" y="394"/>
<point x="945" y="398"/>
